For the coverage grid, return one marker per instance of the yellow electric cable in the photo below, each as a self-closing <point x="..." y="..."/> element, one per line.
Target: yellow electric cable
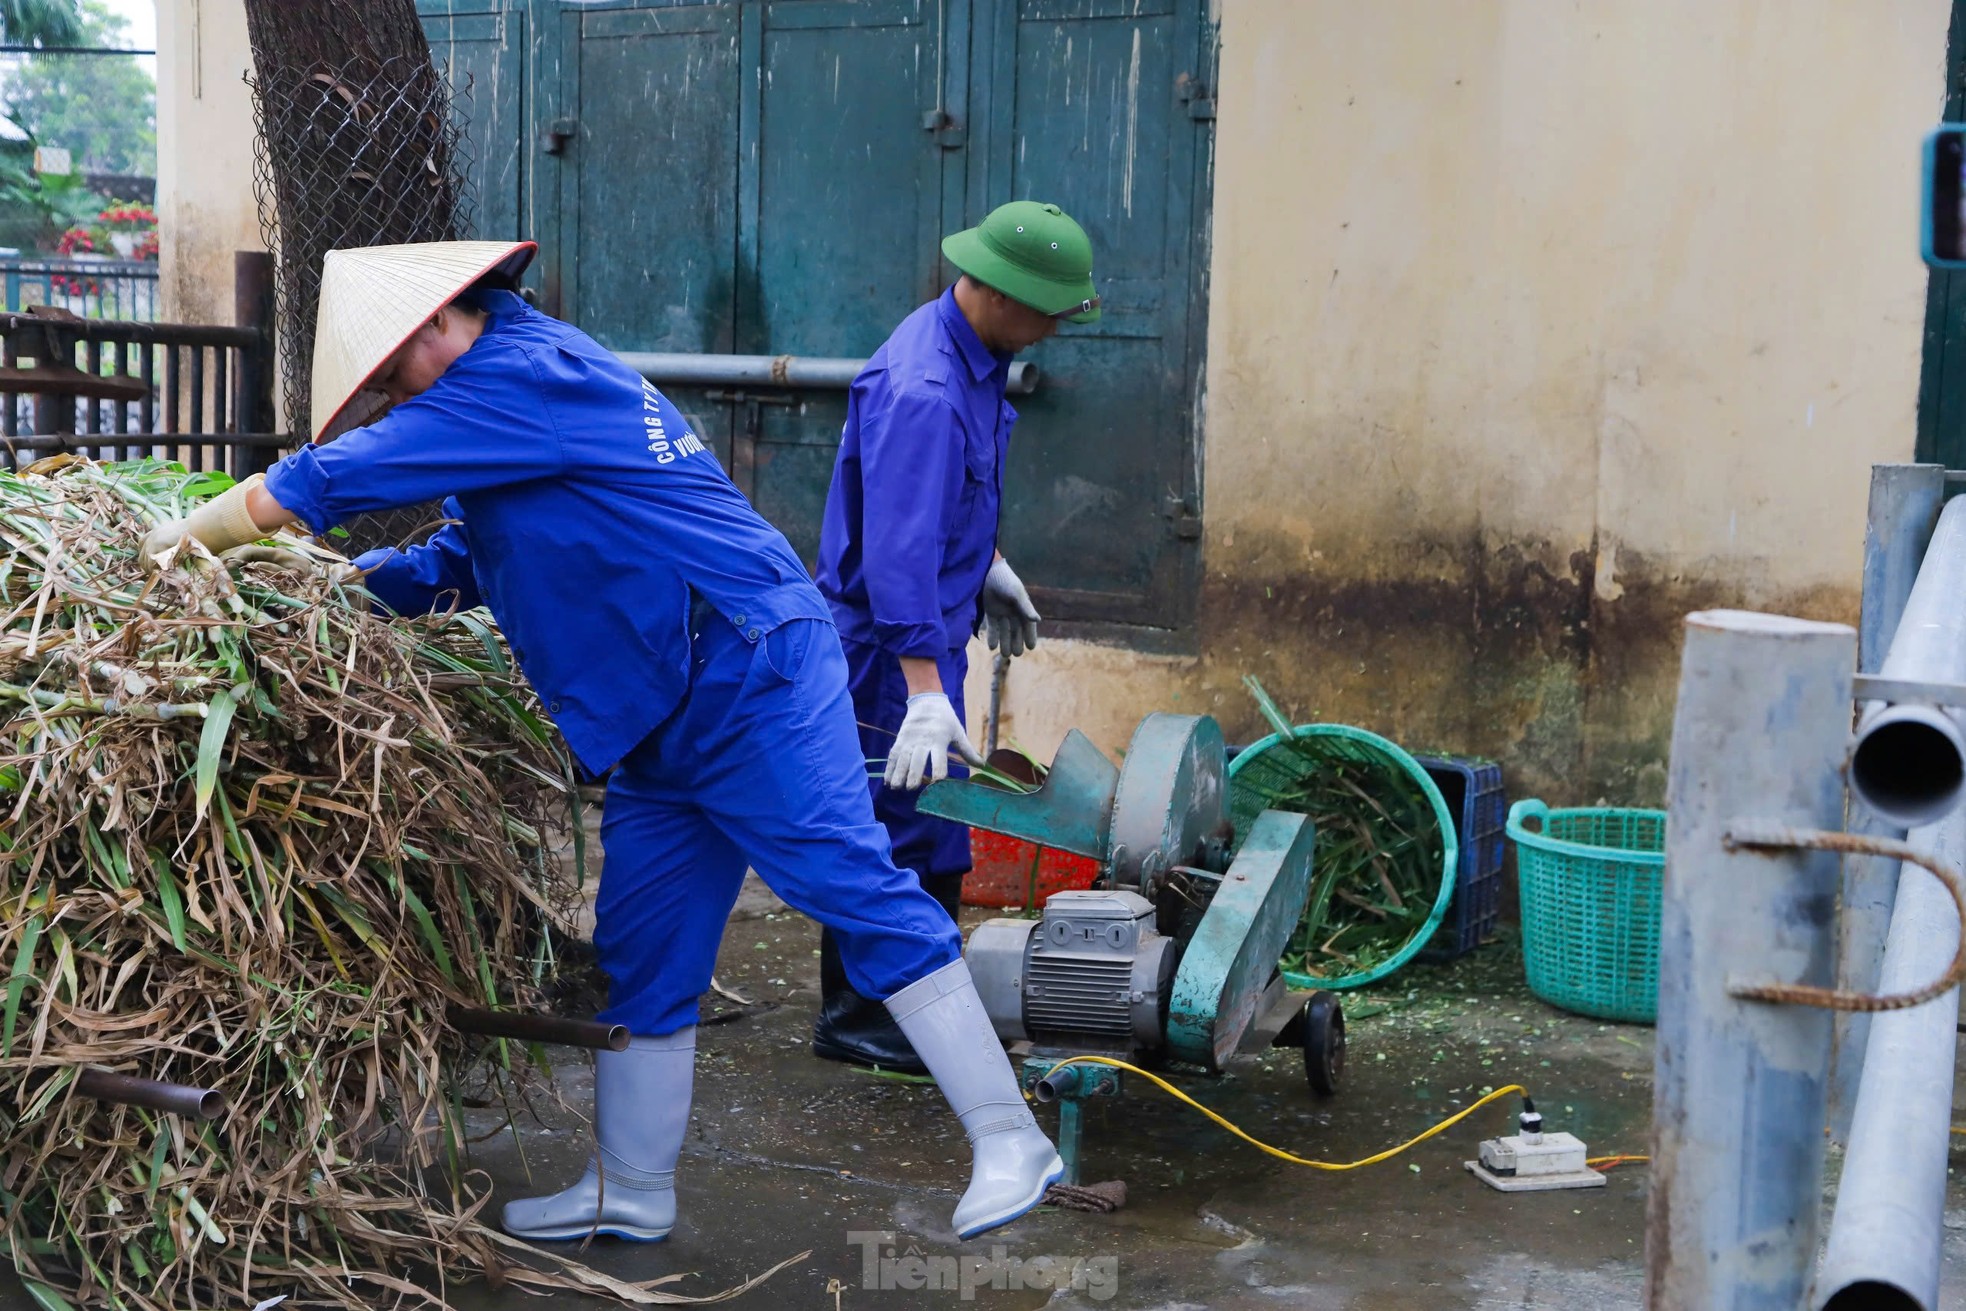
<point x="1278" y="1152"/>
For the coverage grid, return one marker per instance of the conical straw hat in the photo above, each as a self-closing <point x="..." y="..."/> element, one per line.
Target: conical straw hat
<point x="374" y="297"/>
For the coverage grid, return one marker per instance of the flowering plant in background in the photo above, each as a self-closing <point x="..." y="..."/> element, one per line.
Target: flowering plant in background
<point x="125" y="228"/>
<point x="128" y="216"/>
<point x="76" y="241"/>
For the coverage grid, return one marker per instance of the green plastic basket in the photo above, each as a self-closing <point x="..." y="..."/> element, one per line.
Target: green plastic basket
<point x="1590" y="907"/>
<point x="1277" y="762"/>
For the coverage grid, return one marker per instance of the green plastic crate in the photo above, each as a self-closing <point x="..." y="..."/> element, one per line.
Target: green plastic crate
<point x="1590" y="906"/>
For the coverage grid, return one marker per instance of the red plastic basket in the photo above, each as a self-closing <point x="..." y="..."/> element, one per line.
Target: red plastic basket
<point x="1010" y="873"/>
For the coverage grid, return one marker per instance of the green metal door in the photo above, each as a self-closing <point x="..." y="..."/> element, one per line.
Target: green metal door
<point x="752" y="177"/>
<point x="840" y="239"/>
<point x="1942" y="377"/>
<point x="648" y="183"/>
<point x="772" y="177"/>
<point x="481" y="49"/>
<point x="1099" y="105"/>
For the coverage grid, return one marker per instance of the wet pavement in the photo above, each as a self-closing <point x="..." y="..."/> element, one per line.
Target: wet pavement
<point x="788" y="1154"/>
<point x="855" y="1175"/>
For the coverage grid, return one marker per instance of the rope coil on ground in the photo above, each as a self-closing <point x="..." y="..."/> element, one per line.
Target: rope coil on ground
<point x="1776" y="838"/>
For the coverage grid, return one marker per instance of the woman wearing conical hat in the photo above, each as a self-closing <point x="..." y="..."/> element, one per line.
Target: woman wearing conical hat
<point x="673" y="634"/>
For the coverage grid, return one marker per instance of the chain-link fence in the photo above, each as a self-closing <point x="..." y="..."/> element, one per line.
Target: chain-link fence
<point x="362" y="154"/>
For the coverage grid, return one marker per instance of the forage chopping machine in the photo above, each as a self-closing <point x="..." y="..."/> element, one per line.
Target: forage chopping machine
<point x="1172" y="954"/>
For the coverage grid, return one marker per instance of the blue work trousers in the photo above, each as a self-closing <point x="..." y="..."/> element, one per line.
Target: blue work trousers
<point x="760" y="765"/>
<point x="924" y="843"/>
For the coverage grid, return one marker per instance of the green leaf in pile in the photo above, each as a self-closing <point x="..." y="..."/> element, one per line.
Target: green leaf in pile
<point x="158" y="1152"/>
<point x="211" y="744"/>
<point x="45" y="1297"/>
<point x="171" y="896"/>
<point x="23" y="971"/>
<point x="428" y="927"/>
<point x="478" y="628"/>
<point x="209" y="484"/>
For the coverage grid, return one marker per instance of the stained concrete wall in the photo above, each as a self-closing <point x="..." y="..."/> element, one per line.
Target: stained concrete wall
<point x="204" y="155"/>
<point x="1534" y="326"/>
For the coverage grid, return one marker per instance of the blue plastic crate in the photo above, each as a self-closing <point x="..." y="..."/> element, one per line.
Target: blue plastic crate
<point x="1473" y="792"/>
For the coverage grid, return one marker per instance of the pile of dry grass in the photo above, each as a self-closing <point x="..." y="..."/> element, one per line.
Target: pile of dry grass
<point x="252" y="839"/>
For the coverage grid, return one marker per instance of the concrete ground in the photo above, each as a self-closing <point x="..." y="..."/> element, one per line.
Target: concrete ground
<point x="855" y="1175"/>
<point x="789" y="1154"/>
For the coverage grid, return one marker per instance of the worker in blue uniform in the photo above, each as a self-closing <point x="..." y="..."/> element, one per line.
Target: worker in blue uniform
<point x="673" y="634"/>
<point x="908" y="555"/>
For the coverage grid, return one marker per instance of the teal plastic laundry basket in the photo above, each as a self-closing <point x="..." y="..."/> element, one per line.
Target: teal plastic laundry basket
<point x="1590" y="879"/>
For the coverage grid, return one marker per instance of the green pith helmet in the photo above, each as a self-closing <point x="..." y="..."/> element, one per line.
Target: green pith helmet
<point x="1033" y="253"/>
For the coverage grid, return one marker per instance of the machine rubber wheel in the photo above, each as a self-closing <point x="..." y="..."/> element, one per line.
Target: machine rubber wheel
<point x="1324" y="1043"/>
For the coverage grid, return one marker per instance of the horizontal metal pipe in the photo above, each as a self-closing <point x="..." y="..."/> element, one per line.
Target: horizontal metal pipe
<point x="180" y="334"/>
<point x="154" y="1094"/>
<point x="68" y="441"/>
<point x="538" y="1028"/>
<point x="806" y="372"/>
<point x="1909" y="762"/>
<point x="1887" y="1230"/>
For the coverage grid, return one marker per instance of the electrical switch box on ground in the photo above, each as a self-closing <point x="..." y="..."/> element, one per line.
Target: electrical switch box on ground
<point x="1533" y="1163"/>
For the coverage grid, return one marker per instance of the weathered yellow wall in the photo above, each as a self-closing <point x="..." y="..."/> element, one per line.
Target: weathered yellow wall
<point x="204" y="155"/>
<point x="1534" y="326"/>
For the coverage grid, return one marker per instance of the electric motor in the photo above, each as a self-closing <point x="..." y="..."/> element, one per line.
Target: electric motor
<point x="1093" y="967"/>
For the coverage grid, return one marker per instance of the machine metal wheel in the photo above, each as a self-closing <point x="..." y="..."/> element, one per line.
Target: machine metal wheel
<point x="1324" y="1043"/>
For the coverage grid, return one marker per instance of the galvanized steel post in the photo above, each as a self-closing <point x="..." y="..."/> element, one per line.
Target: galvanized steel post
<point x="1739" y="1086"/>
<point x="1904" y="509"/>
<point x="1887" y="1230"/>
<point x="1886" y="1234"/>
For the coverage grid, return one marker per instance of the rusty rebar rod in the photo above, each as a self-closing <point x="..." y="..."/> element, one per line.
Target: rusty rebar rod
<point x="154" y="1094"/>
<point x="528" y="1027"/>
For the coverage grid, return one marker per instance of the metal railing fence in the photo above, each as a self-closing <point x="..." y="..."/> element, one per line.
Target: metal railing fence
<point x="88" y="288"/>
<point x="115" y="389"/>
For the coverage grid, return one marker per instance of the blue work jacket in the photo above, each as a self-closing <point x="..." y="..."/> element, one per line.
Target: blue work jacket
<point x="911" y="517"/>
<point x="589" y="511"/>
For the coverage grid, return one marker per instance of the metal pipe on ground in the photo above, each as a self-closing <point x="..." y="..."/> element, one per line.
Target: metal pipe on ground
<point x="810" y="372"/>
<point x="1740" y="1086"/>
<point x="1886" y="1232"/>
<point x="152" y="1094"/>
<point x="526" y="1027"/>
<point x="1909" y="763"/>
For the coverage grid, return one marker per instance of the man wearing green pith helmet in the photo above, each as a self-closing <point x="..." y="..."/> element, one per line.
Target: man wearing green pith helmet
<point x="907" y="553"/>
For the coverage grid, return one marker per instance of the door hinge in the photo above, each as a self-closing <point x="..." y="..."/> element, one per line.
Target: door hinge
<point x="554" y="136"/>
<point x="1198" y="98"/>
<point x="949" y="134"/>
<point x="1187" y="520"/>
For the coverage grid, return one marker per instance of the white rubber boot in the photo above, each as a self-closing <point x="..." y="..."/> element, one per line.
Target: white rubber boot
<point x="641" y="1111"/>
<point x="1013" y="1161"/>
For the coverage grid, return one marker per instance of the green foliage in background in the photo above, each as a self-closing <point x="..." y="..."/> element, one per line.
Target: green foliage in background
<point x="102" y="109"/>
<point x="41" y="22"/>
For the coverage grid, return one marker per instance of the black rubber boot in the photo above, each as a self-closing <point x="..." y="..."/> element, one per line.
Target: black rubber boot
<point x="858" y="1031"/>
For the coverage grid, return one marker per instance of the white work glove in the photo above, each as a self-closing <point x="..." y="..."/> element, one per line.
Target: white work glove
<point x="220" y="524"/>
<point x="921" y="748"/>
<point x="1007" y="610"/>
